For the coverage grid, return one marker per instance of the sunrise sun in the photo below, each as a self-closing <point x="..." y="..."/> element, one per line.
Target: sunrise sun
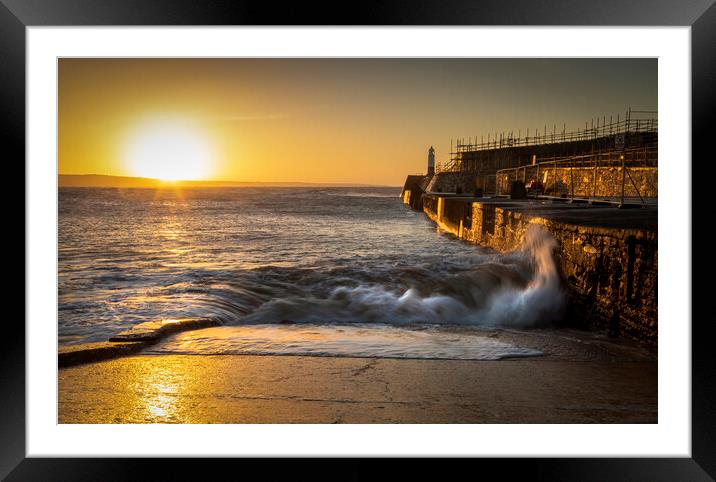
<point x="169" y="150"/>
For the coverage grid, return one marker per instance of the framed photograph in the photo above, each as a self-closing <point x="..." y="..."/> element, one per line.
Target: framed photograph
<point x="411" y="232"/>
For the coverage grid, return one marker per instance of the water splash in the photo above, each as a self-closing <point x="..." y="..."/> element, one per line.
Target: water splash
<point x="542" y="301"/>
<point x="518" y="289"/>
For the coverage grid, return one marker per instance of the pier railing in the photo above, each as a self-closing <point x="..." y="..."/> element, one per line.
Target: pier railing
<point x="616" y="174"/>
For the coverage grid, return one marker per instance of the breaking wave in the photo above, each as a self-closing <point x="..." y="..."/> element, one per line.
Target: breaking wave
<point x="285" y="255"/>
<point x="518" y="289"/>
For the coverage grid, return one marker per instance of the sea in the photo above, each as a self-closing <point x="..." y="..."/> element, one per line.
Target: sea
<point x="313" y="271"/>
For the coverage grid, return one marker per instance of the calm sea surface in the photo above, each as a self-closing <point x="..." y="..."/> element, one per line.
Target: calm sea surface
<point x="328" y="271"/>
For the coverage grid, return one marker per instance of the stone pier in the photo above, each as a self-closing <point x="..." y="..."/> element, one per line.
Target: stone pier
<point x="607" y="256"/>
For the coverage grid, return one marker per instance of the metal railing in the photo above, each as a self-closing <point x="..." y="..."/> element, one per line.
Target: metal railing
<point x="613" y="174"/>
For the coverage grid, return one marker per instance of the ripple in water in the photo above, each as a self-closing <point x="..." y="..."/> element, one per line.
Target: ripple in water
<point x="357" y="340"/>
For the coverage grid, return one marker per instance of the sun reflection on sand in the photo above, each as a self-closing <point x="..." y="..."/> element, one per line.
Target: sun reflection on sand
<point x="158" y="393"/>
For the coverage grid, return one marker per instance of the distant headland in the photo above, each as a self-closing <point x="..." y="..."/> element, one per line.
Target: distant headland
<point x="100" y="180"/>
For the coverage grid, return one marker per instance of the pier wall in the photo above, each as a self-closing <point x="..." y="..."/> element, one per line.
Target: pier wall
<point x="413" y="189"/>
<point x="610" y="274"/>
<point x="488" y="161"/>
<point x="458" y="182"/>
<point x="586" y="181"/>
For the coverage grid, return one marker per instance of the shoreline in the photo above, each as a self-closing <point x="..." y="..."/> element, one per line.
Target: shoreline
<point x="582" y="378"/>
<point x="555" y="343"/>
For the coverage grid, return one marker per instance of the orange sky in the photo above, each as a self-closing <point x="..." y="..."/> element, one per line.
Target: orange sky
<point x="365" y="121"/>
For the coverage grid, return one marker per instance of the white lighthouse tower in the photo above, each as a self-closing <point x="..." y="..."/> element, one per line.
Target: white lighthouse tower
<point x="431" y="161"/>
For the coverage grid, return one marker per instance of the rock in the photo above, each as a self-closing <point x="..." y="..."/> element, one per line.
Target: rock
<point x="128" y="341"/>
<point x="91" y="352"/>
<point x="152" y="331"/>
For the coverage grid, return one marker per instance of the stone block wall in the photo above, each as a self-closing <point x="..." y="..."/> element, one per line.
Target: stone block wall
<point x="453" y="182"/>
<point x="587" y="181"/>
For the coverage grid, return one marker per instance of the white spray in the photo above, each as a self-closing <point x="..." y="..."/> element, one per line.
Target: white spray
<point x="518" y="289"/>
<point x="542" y="301"/>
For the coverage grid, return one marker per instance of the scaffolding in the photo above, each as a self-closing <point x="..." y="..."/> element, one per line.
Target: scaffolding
<point x="600" y="133"/>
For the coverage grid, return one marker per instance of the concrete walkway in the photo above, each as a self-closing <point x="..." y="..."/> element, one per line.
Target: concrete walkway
<point x="582" y="379"/>
<point x="582" y="214"/>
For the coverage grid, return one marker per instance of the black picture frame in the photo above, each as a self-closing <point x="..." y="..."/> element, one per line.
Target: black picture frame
<point x="700" y="15"/>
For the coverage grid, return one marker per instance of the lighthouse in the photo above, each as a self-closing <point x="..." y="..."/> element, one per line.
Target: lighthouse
<point x="431" y="161"/>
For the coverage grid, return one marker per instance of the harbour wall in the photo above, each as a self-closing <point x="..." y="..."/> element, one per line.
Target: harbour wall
<point x="502" y="156"/>
<point x="610" y="272"/>
<point x="585" y="181"/>
<point x="459" y="182"/>
<point x="413" y="189"/>
<point x="561" y="181"/>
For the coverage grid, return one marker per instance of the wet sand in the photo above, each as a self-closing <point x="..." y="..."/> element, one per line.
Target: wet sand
<point x="582" y="378"/>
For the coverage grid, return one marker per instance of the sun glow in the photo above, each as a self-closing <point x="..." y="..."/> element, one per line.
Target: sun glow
<point x="168" y="150"/>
